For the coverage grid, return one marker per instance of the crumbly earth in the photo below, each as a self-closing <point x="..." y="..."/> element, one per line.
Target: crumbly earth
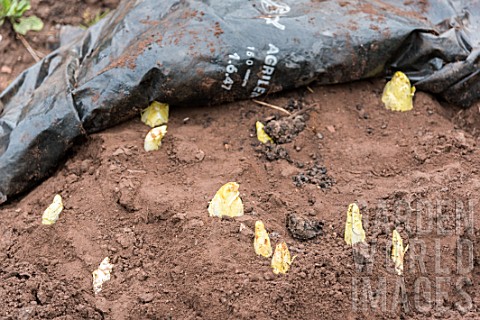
<point x="415" y="171"/>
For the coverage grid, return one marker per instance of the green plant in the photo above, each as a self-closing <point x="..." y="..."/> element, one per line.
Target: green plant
<point x="13" y="10"/>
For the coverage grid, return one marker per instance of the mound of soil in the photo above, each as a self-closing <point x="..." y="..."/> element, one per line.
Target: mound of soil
<point x="148" y="213"/>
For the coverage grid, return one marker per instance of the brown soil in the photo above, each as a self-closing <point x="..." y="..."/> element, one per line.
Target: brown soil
<point x="148" y="213"/>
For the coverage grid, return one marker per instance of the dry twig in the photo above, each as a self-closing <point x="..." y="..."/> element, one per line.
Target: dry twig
<point x="28" y="47"/>
<point x="271" y="106"/>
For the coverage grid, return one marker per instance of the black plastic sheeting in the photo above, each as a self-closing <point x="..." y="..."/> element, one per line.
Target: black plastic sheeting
<point x="212" y="51"/>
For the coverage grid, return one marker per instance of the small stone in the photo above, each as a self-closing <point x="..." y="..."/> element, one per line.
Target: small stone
<point x="461" y="140"/>
<point x="26" y="312"/>
<point x="124" y="241"/>
<point x="268" y="276"/>
<point x="331" y="129"/>
<point x="6" y="69"/>
<point x="420" y="155"/>
<point x="146" y="297"/>
<point x="85" y="165"/>
<point x="72" y="178"/>
<point x="254" y="278"/>
<point x="200" y="155"/>
<point x="118" y="152"/>
<point x="362" y="114"/>
<point x="274" y="235"/>
<point x="179" y="217"/>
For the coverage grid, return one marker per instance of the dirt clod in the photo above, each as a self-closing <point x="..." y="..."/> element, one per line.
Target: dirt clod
<point x="302" y="228"/>
<point x="285" y="129"/>
<point x="273" y="152"/>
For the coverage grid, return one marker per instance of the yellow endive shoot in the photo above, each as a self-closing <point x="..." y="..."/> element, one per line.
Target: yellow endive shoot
<point x="261" y="243"/>
<point x="398" y="93"/>
<point x="101" y="275"/>
<point x="226" y="202"/>
<point x="398" y="252"/>
<point x="156" y="114"/>
<point x="51" y="214"/>
<point x="262" y="136"/>
<point x="153" y="139"/>
<point x="281" y="260"/>
<point x="354" y="232"/>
